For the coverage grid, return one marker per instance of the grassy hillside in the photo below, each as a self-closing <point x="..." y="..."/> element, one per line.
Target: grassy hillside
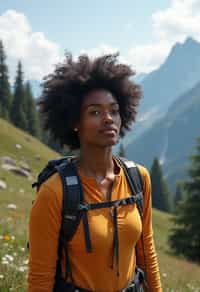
<point x="177" y="274"/>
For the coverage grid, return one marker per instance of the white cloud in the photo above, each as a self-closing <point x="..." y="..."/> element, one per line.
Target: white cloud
<point x="36" y="52"/>
<point x="180" y="20"/>
<point x="145" y="58"/>
<point x="102" y="49"/>
<point x="177" y="22"/>
<point x="174" y="24"/>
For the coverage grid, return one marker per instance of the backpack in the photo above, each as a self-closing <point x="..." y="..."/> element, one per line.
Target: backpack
<point x="74" y="208"/>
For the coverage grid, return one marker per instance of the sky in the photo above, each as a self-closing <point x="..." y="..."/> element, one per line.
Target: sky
<point x="40" y="32"/>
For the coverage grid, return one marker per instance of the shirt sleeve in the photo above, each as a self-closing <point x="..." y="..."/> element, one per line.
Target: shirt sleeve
<point x="44" y="228"/>
<point x="146" y="254"/>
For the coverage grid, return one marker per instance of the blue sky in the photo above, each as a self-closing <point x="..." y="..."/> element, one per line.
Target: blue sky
<point x="77" y="24"/>
<point x="38" y="32"/>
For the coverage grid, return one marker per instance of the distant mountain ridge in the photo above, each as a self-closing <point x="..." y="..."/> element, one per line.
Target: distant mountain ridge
<point x="172" y="138"/>
<point x="140" y="77"/>
<point x="178" y="74"/>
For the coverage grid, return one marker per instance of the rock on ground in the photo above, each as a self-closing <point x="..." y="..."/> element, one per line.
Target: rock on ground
<point x="3" y="185"/>
<point x="16" y="170"/>
<point x="8" y="160"/>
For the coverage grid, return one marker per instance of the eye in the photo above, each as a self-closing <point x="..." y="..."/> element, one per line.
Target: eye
<point x="115" y="111"/>
<point x="94" y="112"/>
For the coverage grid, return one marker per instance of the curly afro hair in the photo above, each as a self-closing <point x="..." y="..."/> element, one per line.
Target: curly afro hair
<point x="64" y="91"/>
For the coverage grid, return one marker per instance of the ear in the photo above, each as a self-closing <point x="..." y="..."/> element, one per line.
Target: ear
<point x="76" y="128"/>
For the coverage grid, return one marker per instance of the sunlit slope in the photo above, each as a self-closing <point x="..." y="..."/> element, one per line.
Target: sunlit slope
<point x="23" y="148"/>
<point x="177" y="274"/>
<point x="31" y="147"/>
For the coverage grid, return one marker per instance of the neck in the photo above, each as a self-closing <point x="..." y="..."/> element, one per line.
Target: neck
<point x="96" y="162"/>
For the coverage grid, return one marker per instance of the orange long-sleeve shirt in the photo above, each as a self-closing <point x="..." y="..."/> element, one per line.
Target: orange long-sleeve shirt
<point x="92" y="271"/>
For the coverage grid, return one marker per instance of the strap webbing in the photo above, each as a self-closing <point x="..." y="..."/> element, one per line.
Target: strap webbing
<point x="134" y="179"/>
<point x="88" y="243"/>
<point x="115" y="241"/>
<point x="72" y="197"/>
<point x="109" y="204"/>
<point x="136" y="183"/>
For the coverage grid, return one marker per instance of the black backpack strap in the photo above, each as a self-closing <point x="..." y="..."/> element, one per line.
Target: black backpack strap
<point x="109" y="204"/>
<point x="47" y="171"/>
<point x="71" y="214"/>
<point x="134" y="179"/>
<point x="72" y="197"/>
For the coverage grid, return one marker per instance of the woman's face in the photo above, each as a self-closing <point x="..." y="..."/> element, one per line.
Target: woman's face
<point x="100" y="119"/>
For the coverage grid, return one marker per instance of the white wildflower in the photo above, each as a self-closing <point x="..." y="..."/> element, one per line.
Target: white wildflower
<point x="8" y="257"/>
<point x="25" y="262"/>
<point x="18" y="146"/>
<point x="22" y="269"/>
<point x="164" y="275"/>
<point x="5" y="262"/>
<point x="12" y="206"/>
<point x="1" y="276"/>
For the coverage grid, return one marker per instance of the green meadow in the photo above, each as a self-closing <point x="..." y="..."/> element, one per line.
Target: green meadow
<point x="177" y="274"/>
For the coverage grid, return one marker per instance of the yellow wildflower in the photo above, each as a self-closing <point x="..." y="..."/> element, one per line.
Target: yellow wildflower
<point x="7" y="237"/>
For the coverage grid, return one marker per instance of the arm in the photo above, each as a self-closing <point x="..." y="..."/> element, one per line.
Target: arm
<point x="146" y="254"/>
<point x="44" y="227"/>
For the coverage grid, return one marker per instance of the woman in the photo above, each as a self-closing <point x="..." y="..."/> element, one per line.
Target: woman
<point x="87" y="105"/>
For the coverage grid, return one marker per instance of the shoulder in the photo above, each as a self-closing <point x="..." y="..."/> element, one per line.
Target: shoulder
<point x="146" y="184"/>
<point x="144" y="172"/>
<point x="53" y="183"/>
<point x="51" y="191"/>
<point x="145" y="175"/>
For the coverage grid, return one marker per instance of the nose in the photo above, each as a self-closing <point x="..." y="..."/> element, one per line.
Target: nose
<point x="107" y="117"/>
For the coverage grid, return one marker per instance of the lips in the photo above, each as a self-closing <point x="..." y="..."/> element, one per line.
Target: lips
<point x="109" y="130"/>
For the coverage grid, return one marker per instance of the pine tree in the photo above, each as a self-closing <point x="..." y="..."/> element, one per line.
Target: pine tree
<point x="179" y="194"/>
<point x="185" y="237"/>
<point x="33" y="124"/>
<point x="160" y="192"/>
<point x="18" y="111"/>
<point x="5" y="92"/>
<point x="121" y="150"/>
